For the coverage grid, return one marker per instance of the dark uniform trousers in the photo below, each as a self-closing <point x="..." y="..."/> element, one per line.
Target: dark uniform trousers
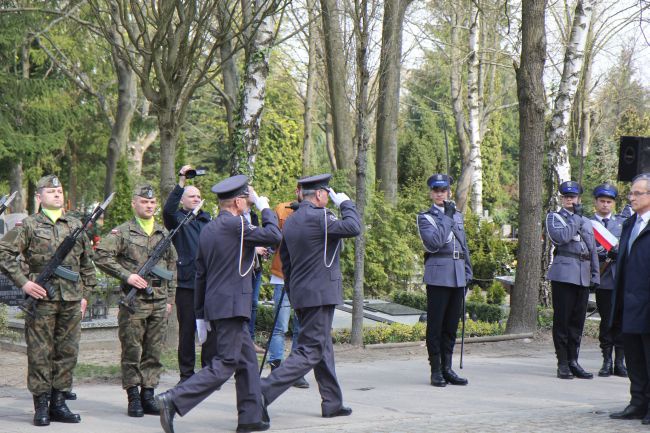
<point x="444" y="307"/>
<point x="314" y="351"/>
<point x="637" y="358"/>
<point x="607" y="336"/>
<point x="235" y="354"/>
<point x="569" y="310"/>
<point x="186" y="334"/>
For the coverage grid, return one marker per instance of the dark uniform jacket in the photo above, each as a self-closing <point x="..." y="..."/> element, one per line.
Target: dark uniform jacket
<point x="127" y="248"/>
<point x="224" y="286"/>
<point x="446" y="258"/>
<point x="186" y="241"/>
<point x="631" y="297"/>
<point x="615" y="226"/>
<point x="575" y="258"/>
<point x="311" y="278"/>
<point x="36" y="238"/>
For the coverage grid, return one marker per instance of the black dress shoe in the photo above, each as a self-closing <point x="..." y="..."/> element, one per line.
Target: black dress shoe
<point x="167" y="411"/>
<point x="578" y="371"/>
<point x="563" y="371"/>
<point x="344" y="411"/>
<point x="301" y="383"/>
<point x="258" y="426"/>
<point x="630" y="412"/>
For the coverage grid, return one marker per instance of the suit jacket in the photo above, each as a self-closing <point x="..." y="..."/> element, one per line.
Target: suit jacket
<point x="444" y="241"/>
<point x="631" y="297"/>
<point x="308" y="279"/>
<point x="223" y="286"/>
<point x="615" y="226"/>
<point x="573" y="236"/>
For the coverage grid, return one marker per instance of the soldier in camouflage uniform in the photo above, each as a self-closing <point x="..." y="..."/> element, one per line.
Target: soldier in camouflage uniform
<point x="52" y="333"/>
<point x="121" y="254"/>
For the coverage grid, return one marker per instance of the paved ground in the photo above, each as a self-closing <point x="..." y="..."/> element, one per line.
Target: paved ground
<point x="512" y="389"/>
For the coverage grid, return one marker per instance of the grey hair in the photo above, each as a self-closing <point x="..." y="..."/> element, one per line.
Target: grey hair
<point x="643" y="176"/>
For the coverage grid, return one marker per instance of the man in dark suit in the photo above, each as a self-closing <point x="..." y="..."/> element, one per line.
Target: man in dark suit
<point x="224" y="295"/>
<point x="631" y="299"/>
<point x="312" y="277"/>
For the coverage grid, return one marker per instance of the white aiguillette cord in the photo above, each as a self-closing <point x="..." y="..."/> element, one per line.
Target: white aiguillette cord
<point x="338" y="244"/>
<point x="241" y="251"/>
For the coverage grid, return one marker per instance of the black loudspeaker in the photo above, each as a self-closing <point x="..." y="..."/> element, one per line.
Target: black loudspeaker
<point x="633" y="157"/>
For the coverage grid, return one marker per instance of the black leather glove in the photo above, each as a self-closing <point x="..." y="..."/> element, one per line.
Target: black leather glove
<point x="578" y="209"/>
<point x="612" y="254"/>
<point x="450" y="208"/>
<point x="593" y="287"/>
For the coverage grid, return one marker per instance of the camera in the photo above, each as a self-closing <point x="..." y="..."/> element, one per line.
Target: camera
<point x="192" y="173"/>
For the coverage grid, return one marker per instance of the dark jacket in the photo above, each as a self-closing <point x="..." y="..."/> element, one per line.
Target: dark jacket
<point x="186" y="241"/>
<point x="307" y="278"/>
<point x="631" y="297"/>
<point x="224" y="287"/>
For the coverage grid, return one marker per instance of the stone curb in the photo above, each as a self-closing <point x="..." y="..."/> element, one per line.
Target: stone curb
<point x="485" y="339"/>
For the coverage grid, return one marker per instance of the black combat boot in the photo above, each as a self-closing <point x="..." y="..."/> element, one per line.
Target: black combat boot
<point x="619" y="363"/>
<point x="59" y="411"/>
<point x="69" y="395"/>
<point x="449" y="374"/>
<point x="578" y="371"/>
<point x="41" y="410"/>
<point x="149" y="405"/>
<point x="436" y="372"/>
<point x="607" y="369"/>
<point x="135" y="404"/>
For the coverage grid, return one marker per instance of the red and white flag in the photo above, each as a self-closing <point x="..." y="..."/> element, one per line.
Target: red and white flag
<point x="604" y="236"/>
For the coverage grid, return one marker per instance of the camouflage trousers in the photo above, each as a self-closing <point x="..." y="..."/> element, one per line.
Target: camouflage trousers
<point x="142" y="336"/>
<point x="52" y="337"/>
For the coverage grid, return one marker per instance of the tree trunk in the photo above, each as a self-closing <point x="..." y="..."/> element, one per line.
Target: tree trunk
<point x="530" y="93"/>
<point x="16" y="184"/>
<point x="169" y="130"/>
<point x="72" y="186"/>
<point x="329" y="141"/>
<point x="137" y="149"/>
<point x="337" y="79"/>
<point x="310" y="94"/>
<point x="388" y="97"/>
<point x="474" y="97"/>
<point x="229" y="72"/>
<point x="571" y="73"/>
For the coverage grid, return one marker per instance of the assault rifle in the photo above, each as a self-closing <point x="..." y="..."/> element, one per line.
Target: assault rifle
<point x="5" y="201"/>
<point x="54" y="267"/>
<point x="149" y="267"/>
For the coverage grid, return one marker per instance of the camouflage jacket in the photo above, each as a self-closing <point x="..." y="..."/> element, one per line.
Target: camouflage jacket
<point x="36" y="239"/>
<point x="127" y="248"/>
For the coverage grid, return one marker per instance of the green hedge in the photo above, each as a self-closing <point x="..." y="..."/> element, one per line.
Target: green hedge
<point x="476" y="310"/>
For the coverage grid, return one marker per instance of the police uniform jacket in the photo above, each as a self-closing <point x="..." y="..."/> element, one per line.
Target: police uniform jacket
<point x="224" y="285"/>
<point x="575" y="258"/>
<point x="36" y="238"/>
<point x="615" y="226"/>
<point x="446" y="258"/>
<point x="631" y="297"/>
<point x="127" y="248"/>
<point x="312" y="278"/>
<point x="186" y="240"/>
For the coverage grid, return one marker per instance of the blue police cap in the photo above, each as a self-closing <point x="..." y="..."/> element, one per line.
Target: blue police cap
<point x="605" y="190"/>
<point x="231" y="187"/>
<point x="319" y="181"/>
<point x="440" y="181"/>
<point x="570" y="187"/>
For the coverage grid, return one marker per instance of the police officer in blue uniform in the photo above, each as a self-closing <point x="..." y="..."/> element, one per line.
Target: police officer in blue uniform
<point x="310" y="252"/>
<point x="223" y="297"/>
<point x="447" y="271"/>
<point x="610" y="340"/>
<point x="573" y="271"/>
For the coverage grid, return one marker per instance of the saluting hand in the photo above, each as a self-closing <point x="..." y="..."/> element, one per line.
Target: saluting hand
<point x="450" y="208"/>
<point x="137" y="281"/>
<point x="34" y="290"/>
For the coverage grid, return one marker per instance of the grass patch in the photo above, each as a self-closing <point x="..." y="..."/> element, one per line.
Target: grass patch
<point x="95" y="371"/>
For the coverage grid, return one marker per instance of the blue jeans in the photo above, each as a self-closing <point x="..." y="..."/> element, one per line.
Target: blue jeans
<point x="257" y="282"/>
<point x="276" y="348"/>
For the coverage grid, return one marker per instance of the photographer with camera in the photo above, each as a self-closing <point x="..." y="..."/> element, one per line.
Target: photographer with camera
<point x="186" y="243"/>
<point x="447" y="271"/>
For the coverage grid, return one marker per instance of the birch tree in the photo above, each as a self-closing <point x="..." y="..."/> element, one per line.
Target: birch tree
<point x="474" y="105"/>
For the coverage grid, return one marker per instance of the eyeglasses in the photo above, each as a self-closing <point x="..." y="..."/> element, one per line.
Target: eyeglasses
<point x="637" y="194"/>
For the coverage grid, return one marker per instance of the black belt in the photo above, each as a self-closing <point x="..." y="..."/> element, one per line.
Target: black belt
<point x="579" y="256"/>
<point x="456" y="255"/>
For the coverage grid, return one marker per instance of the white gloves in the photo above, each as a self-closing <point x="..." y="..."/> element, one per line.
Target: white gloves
<point x="261" y="202"/>
<point x="202" y="328"/>
<point x="338" y="198"/>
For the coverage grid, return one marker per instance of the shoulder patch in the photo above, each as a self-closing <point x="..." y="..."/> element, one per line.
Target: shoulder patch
<point x="251" y="226"/>
<point x="333" y="217"/>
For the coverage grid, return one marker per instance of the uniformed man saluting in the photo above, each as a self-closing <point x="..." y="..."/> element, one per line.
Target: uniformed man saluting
<point x="121" y="254"/>
<point x="52" y="333"/>
<point x="224" y="294"/>
<point x="573" y="271"/>
<point x="447" y="271"/>
<point x="605" y="196"/>
<point x="310" y="252"/>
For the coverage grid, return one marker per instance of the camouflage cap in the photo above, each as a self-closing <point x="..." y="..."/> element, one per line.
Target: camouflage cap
<point x="145" y="191"/>
<point x="49" y="181"/>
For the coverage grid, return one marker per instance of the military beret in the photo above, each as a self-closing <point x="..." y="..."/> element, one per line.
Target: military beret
<point x="606" y="190"/>
<point x="570" y="187"/>
<point x="440" y="181"/>
<point x="144" y="190"/>
<point x="319" y="181"/>
<point x="49" y="181"/>
<point x="234" y="186"/>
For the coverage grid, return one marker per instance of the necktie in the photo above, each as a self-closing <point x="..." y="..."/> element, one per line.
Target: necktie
<point x="635" y="233"/>
<point x="605" y="221"/>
